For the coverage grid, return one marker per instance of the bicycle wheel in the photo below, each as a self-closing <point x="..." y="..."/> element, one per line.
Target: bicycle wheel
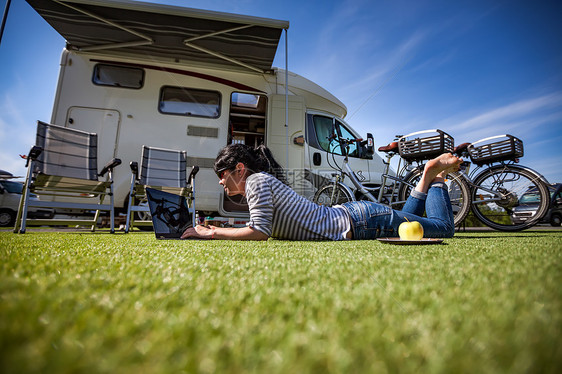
<point x="458" y="188"/>
<point x="329" y="197"/>
<point x="509" y="198"/>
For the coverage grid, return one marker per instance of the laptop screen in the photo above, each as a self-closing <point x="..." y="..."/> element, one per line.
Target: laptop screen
<point x="170" y="214"/>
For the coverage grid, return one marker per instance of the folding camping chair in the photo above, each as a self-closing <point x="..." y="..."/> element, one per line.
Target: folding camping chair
<point x="62" y="167"/>
<point x="161" y="169"/>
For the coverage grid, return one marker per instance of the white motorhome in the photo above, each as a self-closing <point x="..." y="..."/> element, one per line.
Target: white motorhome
<point x="145" y="74"/>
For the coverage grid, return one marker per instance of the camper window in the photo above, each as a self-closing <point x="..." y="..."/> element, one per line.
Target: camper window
<point x="245" y="100"/>
<point x="189" y="102"/>
<point x="118" y="76"/>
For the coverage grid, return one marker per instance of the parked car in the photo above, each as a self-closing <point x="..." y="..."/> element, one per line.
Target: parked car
<point x="529" y="201"/>
<point x="10" y="195"/>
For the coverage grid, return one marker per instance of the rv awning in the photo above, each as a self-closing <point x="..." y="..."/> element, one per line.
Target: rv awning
<point x="164" y="32"/>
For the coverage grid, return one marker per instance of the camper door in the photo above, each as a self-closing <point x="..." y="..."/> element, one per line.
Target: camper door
<point x="104" y="122"/>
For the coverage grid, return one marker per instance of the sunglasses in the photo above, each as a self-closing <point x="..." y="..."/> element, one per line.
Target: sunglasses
<point x="220" y="172"/>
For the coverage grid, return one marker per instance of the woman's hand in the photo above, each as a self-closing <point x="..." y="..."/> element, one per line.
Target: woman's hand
<point x="199" y="232"/>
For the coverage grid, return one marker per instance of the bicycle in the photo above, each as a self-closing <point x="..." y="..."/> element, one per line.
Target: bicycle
<point x="413" y="150"/>
<point x="497" y="185"/>
<point x="337" y="192"/>
<point x="508" y="183"/>
<point x="491" y="191"/>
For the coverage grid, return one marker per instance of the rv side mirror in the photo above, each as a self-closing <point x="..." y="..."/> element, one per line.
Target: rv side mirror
<point x="370" y="146"/>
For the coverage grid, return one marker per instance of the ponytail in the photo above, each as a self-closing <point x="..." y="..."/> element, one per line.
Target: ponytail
<point x="255" y="159"/>
<point x="268" y="163"/>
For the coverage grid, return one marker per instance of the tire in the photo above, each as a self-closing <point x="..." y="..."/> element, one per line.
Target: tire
<point x="510" y="182"/>
<point x="458" y="189"/>
<point x="7" y="218"/>
<point x="328" y="197"/>
<point x="556" y="220"/>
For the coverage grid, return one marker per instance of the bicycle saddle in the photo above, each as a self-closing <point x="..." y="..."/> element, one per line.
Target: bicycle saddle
<point x="392" y="147"/>
<point x="461" y="148"/>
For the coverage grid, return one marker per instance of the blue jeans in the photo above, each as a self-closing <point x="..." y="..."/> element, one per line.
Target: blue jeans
<point x="372" y="220"/>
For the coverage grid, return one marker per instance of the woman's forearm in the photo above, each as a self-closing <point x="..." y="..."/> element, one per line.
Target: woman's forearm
<point x="224" y="233"/>
<point x="242" y="233"/>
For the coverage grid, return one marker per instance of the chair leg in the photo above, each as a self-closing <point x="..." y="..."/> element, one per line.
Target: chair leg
<point x="128" y="223"/>
<point x="97" y="215"/>
<point x="194" y="223"/>
<point x="193" y="212"/>
<point x="112" y="206"/>
<point x="112" y="218"/>
<point x="24" y="202"/>
<point x="130" y="204"/>
<point x="20" y="208"/>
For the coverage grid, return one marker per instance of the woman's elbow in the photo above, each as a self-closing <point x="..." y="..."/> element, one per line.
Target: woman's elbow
<point x="261" y="236"/>
<point x="257" y="235"/>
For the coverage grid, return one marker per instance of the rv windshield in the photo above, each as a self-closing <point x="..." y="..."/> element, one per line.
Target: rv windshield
<point x="325" y="127"/>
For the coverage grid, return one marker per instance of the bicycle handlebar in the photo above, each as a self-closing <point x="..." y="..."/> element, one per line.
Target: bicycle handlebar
<point x="344" y="140"/>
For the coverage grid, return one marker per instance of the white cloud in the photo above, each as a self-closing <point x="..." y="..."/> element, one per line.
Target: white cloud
<point x="536" y="120"/>
<point x="511" y="111"/>
<point x="363" y="88"/>
<point x="518" y="117"/>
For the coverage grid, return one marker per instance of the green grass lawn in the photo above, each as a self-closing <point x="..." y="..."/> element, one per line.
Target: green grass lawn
<point x="484" y="302"/>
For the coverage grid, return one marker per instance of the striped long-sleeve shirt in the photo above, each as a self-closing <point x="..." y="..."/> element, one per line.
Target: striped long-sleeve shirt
<point x="278" y="211"/>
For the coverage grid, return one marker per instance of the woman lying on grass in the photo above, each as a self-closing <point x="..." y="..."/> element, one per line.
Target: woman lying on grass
<point x="278" y="211"/>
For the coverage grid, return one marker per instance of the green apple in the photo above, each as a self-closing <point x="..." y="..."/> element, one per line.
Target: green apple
<point x="410" y="230"/>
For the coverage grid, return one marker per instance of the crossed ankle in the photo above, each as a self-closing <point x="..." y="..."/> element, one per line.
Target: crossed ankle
<point x="438" y="185"/>
<point x="418" y="195"/>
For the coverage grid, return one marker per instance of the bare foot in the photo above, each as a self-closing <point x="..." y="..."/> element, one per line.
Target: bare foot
<point x="442" y="165"/>
<point x="437" y="169"/>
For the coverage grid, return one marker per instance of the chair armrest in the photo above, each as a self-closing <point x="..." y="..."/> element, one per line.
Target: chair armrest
<point x="110" y="166"/>
<point x="34" y="152"/>
<point x="194" y="171"/>
<point x="134" y="169"/>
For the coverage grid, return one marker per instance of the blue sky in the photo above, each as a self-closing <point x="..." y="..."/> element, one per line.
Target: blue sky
<point x="472" y="68"/>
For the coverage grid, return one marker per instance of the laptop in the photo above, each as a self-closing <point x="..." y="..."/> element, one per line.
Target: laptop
<point x="170" y="214"/>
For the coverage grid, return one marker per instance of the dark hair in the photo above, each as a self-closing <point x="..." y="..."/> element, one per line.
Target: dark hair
<point x="255" y="159"/>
